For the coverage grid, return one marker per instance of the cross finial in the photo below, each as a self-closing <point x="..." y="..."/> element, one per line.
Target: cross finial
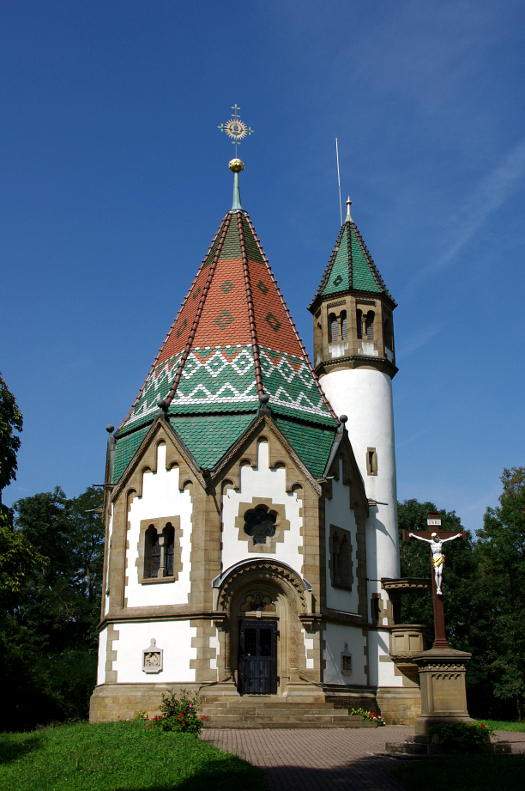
<point x="235" y="128"/>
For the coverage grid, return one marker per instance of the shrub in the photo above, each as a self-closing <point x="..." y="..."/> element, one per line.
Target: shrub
<point x="462" y="737"/>
<point x="369" y="715"/>
<point x="179" y="713"/>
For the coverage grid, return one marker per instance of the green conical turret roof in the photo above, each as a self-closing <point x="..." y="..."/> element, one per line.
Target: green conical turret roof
<point x="350" y="267"/>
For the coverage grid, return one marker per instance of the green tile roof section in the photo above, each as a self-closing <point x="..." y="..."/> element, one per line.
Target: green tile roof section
<point x="350" y="267"/>
<point x="311" y="443"/>
<point x="126" y="448"/>
<point x="208" y="437"/>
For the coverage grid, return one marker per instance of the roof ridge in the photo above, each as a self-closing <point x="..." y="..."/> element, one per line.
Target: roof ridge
<point x="349" y="251"/>
<point x="173" y="323"/>
<point x="289" y="316"/>
<point x="375" y="271"/>
<point x="225" y="225"/>
<point x="251" y="312"/>
<point x="331" y="262"/>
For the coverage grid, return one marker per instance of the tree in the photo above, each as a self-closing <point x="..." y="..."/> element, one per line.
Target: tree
<point x="500" y="556"/>
<point x="50" y="636"/>
<point x="16" y="554"/>
<point x="10" y="422"/>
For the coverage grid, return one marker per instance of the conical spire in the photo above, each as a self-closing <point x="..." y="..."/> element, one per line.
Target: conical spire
<point x="350" y="267"/>
<point x="232" y="342"/>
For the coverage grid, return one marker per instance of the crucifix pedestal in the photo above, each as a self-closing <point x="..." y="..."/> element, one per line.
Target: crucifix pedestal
<point x="442" y="670"/>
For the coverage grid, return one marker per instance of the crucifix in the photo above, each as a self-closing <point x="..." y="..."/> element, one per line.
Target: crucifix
<point x="436" y="539"/>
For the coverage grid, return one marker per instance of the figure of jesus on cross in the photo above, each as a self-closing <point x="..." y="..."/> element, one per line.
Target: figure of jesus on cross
<point x="438" y="558"/>
<point x="436" y="541"/>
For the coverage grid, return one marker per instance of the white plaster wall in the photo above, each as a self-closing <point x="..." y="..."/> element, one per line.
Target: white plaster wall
<point x="381" y="673"/>
<point x="335" y="636"/>
<point x="214" y="643"/>
<point x="102" y="643"/>
<point x="108" y="550"/>
<point x="308" y="646"/>
<point x="365" y="395"/>
<point x="160" y="498"/>
<point x="174" y="637"/>
<point x="339" y="513"/>
<point x="261" y="481"/>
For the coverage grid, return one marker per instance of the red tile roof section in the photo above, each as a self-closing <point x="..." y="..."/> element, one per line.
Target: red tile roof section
<point x="290" y="322"/>
<point x="255" y="313"/>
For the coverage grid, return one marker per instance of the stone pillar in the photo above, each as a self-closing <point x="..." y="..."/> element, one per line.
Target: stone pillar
<point x="443" y="691"/>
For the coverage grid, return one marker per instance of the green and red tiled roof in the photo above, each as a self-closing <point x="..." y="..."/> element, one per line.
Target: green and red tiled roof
<point x="232" y="341"/>
<point x="350" y="267"/>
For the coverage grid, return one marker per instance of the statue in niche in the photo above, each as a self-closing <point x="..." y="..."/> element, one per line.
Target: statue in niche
<point x="152" y="658"/>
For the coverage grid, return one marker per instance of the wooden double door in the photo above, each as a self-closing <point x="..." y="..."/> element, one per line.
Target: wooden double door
<point x="258" y="657"/>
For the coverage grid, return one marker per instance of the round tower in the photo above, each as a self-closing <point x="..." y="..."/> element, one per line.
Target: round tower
<point x="354" y="357"/>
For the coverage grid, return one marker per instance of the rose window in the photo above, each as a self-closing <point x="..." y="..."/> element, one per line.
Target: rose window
<point x="259" y="525"/>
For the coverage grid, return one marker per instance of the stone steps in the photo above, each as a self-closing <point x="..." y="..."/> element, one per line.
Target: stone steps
<point x="275" y="712"/>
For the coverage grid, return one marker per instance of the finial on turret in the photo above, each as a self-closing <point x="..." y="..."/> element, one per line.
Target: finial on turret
<point x="236" y="166"/>
<point x="348" y="215"/>
<point x="236" y="131"/>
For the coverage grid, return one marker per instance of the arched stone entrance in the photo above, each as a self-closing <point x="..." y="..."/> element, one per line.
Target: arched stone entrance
<point x="262" y="605"/>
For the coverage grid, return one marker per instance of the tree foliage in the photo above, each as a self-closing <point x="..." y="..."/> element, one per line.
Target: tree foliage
<point x="10" y="423"/>
<point x="49" y="637"/>
<point x="16" y="554"/>
<point x="500" y="556"/>
<point x="483" y="595"/>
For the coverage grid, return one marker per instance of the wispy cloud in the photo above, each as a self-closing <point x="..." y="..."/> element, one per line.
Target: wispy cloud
<point x="487" y="197"/>
<point x="411" y="439"/>
<point x="416" y="342"/>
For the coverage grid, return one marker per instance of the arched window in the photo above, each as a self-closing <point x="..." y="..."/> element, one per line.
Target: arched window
<point x="334" y="327"/>
<point x="344" y="563"/>
<point x="344" y="326"/>
<point x="359" y="316"/>
<point x="151" y="553"/>
<point x="370" y="325"/>
<point x="336" y="560"/>
<point x="169" y="549"/>
<point x="159" y="552"/>
<point x="388" y="335"/>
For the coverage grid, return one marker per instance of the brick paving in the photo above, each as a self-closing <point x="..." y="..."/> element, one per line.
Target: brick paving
<point x="317" y="758"/>
<point x="324" y="759"/>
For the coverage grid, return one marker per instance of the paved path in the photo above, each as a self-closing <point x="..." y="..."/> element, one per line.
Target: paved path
<point x="316" y="759"/>
<point x="324" y="759"/>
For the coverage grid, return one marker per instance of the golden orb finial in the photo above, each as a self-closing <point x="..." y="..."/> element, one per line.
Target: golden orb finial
<point x="236" y="165"/>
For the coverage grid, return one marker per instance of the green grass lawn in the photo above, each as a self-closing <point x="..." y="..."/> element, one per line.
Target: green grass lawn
<point x="502" y="725"/>
<point x="463" y="773"/>
<point x="121" y="756"/>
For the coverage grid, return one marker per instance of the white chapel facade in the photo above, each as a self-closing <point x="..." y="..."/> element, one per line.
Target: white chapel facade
<point x="250" y="503"/>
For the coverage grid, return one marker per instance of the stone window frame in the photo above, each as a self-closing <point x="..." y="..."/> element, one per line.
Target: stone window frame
<point x="159" y="525"/>
<point x="281" y="524"/>
<point x="340" y="534"/>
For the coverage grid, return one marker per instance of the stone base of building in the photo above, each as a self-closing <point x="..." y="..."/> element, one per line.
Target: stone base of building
<point x="399" y="705"/>
<point x="111" y="702"/>
<point x="302" y="705"/>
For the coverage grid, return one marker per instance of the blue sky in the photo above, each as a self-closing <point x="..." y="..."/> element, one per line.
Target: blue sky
<point x="114" y="179"/>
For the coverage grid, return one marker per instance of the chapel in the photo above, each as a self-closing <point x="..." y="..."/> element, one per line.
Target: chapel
<point x="252" y="546"/>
